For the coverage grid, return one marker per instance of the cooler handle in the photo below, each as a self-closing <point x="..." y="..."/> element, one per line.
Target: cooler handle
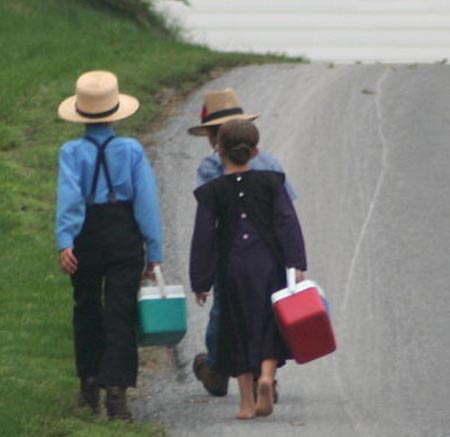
<point x="290" y="274"/>
<point x="160" y="281"/>
<point x="292" y="286"/>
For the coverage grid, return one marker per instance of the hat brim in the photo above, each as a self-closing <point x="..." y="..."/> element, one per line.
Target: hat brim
<point x="128" y="105"/>
<point x="202" y="129"/>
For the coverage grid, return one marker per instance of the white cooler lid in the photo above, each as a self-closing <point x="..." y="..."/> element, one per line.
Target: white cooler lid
<point x="298" y="288"/>
<point x="154" y="292"/>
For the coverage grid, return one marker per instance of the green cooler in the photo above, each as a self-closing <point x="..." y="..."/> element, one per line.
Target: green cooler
<point x="162" y="313"/>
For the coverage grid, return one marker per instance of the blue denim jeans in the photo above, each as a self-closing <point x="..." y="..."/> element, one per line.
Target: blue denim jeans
<point x="212" y="330"/>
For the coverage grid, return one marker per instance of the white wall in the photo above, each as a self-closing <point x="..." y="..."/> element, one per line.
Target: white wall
<point x="331" y="30"/>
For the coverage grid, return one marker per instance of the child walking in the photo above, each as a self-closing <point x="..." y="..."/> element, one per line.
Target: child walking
<point x="107" y="213"/>
<point x="220" y="106"/>
<point x="246" y="233"/>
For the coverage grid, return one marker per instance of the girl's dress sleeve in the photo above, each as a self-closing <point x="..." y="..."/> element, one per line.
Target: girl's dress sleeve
<point x="288" y="230"/>
<point x="203" y="257"/>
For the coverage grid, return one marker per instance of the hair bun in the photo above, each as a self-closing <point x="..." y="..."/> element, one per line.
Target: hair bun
<point x="240" y="154"/>
<point x="238" y="139"/>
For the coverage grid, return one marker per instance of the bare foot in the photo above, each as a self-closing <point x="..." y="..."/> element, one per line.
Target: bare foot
<point x="264" y="405"/>
<point x="245" y="414"/>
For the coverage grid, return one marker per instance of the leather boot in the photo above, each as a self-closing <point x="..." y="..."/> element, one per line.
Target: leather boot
<point x="116" y="404"/>
<point x="214" y="383"/>
<point x="90" y="394"/>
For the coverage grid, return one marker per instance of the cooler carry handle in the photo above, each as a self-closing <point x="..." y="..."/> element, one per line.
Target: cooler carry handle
<point x="159" y="279"/>
<point x="303" y="285"/>
<point x="290" y="274"/>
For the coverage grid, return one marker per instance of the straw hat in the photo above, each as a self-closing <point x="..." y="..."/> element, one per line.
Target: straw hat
<point x="219" y="107"/>
<point x="97" y="100"/>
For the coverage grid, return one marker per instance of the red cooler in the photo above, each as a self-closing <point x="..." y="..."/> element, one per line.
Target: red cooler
<point x="302" y="315"/>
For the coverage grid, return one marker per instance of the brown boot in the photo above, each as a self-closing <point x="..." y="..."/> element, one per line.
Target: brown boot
<point x="214" y="383"/>
<point x="116" y="404"/>
<point x="90" y="394"/>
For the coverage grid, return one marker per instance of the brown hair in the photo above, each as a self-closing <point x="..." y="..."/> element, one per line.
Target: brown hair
<point x="238" y="139"/>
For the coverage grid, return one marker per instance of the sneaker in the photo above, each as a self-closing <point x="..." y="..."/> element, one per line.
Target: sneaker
<point x="214" y="383"/>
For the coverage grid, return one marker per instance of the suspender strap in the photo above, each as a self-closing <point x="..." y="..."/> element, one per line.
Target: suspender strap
<point x="101" y="162"/>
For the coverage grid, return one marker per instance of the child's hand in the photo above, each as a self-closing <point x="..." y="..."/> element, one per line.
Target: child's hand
<point x="68" y="261"/>
<point x="200" y="297"/>
<point x="149" y="271"/>
<point x="299" y="275"/>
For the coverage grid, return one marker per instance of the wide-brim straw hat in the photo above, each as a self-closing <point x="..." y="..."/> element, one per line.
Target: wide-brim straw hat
<point x="97" y="100"/>
<point x="219" y="107"/>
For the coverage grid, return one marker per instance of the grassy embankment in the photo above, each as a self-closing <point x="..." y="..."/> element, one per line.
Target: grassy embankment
<point x="45" y="45"/>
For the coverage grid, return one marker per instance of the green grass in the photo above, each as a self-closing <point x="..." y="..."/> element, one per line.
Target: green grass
<point x="45" y="45"/>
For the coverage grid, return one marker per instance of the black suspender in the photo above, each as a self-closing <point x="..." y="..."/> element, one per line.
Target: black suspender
<point x="101" y="162"/>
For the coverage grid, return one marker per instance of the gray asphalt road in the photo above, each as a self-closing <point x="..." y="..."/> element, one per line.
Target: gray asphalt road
<point x="367" y="149"/>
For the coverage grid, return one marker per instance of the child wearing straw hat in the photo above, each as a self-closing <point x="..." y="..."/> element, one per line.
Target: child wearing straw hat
<point x="246" y="233"/>
<point x="219" y="107"/>
<point x="108" y="232"/>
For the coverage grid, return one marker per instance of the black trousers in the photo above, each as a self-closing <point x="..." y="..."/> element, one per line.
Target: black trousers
<point x="110" y="264"/>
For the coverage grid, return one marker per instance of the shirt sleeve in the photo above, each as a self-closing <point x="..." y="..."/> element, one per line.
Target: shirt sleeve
<point x="203" y="257"/>
<point x="210" y="168"/>
<point x="146" y="207"/>
<point x="70" y="203"/>
<point x="268" y="162"/>
<point x="288" y="231"/>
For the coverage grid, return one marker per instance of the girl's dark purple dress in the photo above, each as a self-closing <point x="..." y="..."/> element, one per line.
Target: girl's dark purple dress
<point x="246" y="233"/>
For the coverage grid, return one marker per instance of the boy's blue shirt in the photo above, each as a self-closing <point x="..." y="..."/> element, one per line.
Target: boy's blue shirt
<point x="133" y="180"/>
<point x="211" y="167"/>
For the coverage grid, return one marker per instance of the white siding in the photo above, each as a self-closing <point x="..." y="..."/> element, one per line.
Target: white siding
<point x="325" y="30"/>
